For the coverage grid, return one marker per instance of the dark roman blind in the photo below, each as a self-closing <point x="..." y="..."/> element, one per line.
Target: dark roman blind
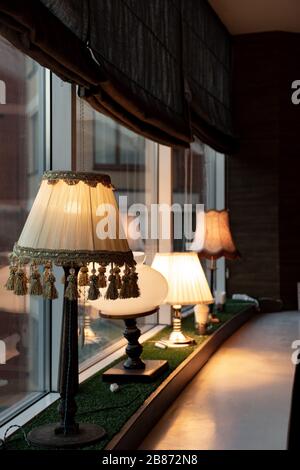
<point x="159" y="67"/>
<point x="137" y="43"/>
<point x="207" y="70"/>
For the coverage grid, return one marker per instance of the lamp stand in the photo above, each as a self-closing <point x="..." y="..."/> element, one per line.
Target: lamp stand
<point x="213" y="268"/>
<point x="133" y="368"/>
<point x="67" y="433"/>
<point x="177" y="338"/>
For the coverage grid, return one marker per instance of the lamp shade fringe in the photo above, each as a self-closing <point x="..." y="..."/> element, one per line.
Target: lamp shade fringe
<point x="94" y="291"/>
<point x="71" y="292"/>
<point x="125" y="287"/>
<point x="133" y="284"/>
<point x="36" y="287"/>
<point x="49" y="289"/>
<point x="10" y="283"/>
<point x="102" y="281"/>
<point x="112" y="290"/>
<point x="119" y="285"/>
<point x="83" y="278"/>
<point x="20" y="282"/>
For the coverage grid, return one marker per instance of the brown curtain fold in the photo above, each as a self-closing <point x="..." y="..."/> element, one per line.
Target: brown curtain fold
<point x="207" y="70"/>
<point x="136" y="61"/>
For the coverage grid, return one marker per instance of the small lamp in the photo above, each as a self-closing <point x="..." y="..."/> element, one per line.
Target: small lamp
<point x="217" y="241"/>
<point x="66" y="227"/>
<point x="187" y="286"/>
<point x="153" y="290"/>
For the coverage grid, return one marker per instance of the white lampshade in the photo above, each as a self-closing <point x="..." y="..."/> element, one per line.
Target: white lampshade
<point x="153" y="291"/>
<point x="74" y="221"/>
<point x="185" y="276"/>
<point x="66" y="217"/>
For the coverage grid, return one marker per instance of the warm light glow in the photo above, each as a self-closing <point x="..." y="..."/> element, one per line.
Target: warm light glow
<point x="185" y="276"/>
<point x="218" y="240"/>
<point x="64" y="217"/>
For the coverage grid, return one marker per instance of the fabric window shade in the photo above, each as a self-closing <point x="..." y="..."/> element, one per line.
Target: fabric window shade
<point x="34" y="30"/>
<point x="207" y="70"/>
<point x="140" y="50"/>
<point x="135" y="61"/>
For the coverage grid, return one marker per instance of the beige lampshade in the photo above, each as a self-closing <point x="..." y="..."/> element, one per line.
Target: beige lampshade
<point x="217" y="240"/>
<point x="150" y="298"/>
<point x="66" y="219"/>
<point x="185" y="276"/>
<point x="74" y="221"/>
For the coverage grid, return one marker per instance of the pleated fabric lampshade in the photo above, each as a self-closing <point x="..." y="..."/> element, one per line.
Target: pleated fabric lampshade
<point x="187" y="286"/>
<point x="185" y="276"/>
<point x="74" y="221"/>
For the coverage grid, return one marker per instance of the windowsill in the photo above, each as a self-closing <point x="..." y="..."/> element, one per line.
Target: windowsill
<point x="41" y="404"/>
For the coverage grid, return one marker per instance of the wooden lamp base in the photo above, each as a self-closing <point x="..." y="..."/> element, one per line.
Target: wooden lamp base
<point x="133" y="368"/>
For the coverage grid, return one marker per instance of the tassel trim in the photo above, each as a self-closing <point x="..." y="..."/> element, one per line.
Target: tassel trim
<point x="20" y="287"/>
<point x="36" y="287"/>
<point x="71" y="291"/>
<point x="94" y="291"/>
<point x="10" y="283"/>
<point x="118" y="285"/>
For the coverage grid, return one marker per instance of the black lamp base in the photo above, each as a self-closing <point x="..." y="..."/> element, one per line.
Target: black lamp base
<point x="45" y="436"/>
<point x="152" y="370"/>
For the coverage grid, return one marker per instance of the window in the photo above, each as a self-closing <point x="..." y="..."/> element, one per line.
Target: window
<point x="131" y="161"/>
<point x="198" y="177"/>
<point x="22" y="319"/>
<point x="189" y="184"/>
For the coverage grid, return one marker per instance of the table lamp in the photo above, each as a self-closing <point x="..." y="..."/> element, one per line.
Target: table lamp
<point x="65" y="227"/>
<point x="153" y="291"/>
<point x="187" y="286"/>
<point x="217" y="241"/>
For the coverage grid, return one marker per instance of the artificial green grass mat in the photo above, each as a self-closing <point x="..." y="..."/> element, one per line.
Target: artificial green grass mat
<point x="97" y="404"/>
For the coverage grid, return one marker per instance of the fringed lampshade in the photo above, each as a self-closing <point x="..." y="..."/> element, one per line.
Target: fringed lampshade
<point x="218" y="240"/>
<point x="66" y="227"/>
<point x="73" y="222"/>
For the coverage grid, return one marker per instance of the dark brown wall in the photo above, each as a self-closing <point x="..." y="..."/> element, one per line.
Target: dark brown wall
<point x="263" y="177"/>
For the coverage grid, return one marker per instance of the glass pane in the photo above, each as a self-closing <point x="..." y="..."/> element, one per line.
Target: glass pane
<point x="131" y="161"/>
<point x="189" y="185"/>
<point x="22" y="324"/>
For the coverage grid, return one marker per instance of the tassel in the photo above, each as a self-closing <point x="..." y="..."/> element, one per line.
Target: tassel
<point x="102" y="276"/>
<point x="47" y="268"/>
<point x="117" y="271"/>
<point x="10" y="283"/>
<point x="36" y="287"/>
<point x="94" y="292"/>
<point x="83" y="278"/>
<point x="20" y="282"/>
<point x="112" y="290"/>
<point x="134" y="288"/>
<point x="49" y="289"/>
<point x="71" y="292"/>
<point x="125" y="287"/>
